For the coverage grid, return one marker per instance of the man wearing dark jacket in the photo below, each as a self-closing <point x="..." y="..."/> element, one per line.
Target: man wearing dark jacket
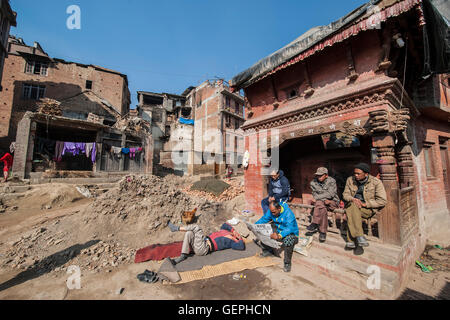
<point x="226" y="238"/>
<point x="278" y="188"/>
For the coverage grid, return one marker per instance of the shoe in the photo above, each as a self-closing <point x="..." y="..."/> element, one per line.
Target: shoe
<point x="358" y="251"/>
<point x="266" y="253"/>
<point x="287" y="267"/>
<point x="313" y="228"/>
<point x="350" y="245"/>
<point x="362" y="241"/>
<point x="322" y="237"/>
<point x="146" y="277"/>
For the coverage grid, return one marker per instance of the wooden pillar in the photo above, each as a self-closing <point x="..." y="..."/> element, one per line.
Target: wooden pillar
<point x="383" y="140"/>
<point x="389" y="218"/>
<point x="405" y="165"/>
<point x="99" y="150"/>
<point x="122" y="158"/>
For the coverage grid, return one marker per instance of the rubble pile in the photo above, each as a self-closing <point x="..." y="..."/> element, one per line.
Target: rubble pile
<point x="236" y="189"/>
<point x="28" y="252"/>
<point x="143" y="205"/>
<point x="107" y="232"/>
<point x="133" y="124"/>
<point x="49" y="106"/>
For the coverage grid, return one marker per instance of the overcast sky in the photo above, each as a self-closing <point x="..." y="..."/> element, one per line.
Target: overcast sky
<point x="169" y="45"/>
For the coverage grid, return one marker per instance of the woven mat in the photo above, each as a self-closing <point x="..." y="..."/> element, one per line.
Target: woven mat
<point x="226" y="268"/>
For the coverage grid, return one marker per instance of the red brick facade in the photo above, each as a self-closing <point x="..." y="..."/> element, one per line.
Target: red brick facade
<point x="63" y="80"/>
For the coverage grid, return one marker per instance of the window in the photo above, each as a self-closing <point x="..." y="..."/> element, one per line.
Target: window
<point x="236" y="107"/>
<point x="236" y="124"/>
<point x="429" y="160"/>
<point x="35" y="67"/>
<point x="89" y="84"/>
<point x="227" y="102"/>
<point x="33" y="92"/>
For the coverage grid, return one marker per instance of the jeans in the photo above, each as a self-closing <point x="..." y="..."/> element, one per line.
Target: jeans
<point x="292" y="239"/>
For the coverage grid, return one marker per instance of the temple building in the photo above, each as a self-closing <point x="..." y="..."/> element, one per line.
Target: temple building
<point x="371" y="87"/>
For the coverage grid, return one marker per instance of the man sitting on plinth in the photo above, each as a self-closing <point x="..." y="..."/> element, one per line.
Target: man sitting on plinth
<point x="365" y="196"/>
<point x="324" y="192"/>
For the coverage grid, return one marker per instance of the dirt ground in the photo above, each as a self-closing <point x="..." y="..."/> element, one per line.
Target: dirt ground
<point x="53" y="228"/>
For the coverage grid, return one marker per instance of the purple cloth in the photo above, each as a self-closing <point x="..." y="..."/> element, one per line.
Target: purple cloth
<point x="80" y="147"/>
<point x="94" y="153"/>
<point x="133" y="153"/>
<point x="69" y="147"/>
<point x="75" y="148"/>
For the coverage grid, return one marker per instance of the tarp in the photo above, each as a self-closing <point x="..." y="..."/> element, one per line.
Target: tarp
<point x="436" y="36"/>
<point x="186" y="121"/>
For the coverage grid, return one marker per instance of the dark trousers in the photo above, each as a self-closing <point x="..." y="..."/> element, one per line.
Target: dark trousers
<point x="265" y="203"/>
<point x="320" y="215"/>
<point x="288" y="245"/>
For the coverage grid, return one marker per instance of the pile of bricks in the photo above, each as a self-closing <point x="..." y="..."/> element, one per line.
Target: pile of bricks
<point x="49" y="106"/>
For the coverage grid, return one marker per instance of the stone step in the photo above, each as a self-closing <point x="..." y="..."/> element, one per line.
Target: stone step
<point x="332" y="260"/>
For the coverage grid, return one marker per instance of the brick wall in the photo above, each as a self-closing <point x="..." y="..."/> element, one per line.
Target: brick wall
<point x="431" y="190"/>
<point x="64" y="80"/>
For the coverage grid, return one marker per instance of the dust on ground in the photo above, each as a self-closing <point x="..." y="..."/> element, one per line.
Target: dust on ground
<point x="434" y="285"/>
<point x="55" y="227"/>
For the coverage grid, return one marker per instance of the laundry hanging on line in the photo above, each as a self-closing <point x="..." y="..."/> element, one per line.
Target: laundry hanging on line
<point x="75" y="148"/>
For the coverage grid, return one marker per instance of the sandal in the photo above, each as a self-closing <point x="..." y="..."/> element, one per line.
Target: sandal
<point x="148" y="276"/>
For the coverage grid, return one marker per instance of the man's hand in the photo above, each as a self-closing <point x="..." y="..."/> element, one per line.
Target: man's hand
<point x="328" y="202"/>
<point x="275" y="236"/>
<point x="357" y="202"/>
<point x="173" y="227"/>
<point x="271" y="198"/>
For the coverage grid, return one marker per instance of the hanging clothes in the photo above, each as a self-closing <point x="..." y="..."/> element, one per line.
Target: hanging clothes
<point x="69" y="147"/>
<point x="80" y="147"/>
<point x="125" y="150"/>
<point x="75" y="148"/>
<point x="91" y="151"/>
<point x="133" y="153"/>
<point x="59" y="147"/>
<point x="117" y="151"/>
<point x="94" y="152"/>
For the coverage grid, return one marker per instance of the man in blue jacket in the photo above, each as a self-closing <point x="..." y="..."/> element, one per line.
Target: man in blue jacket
<point x="285" y="230"/>
<point x="278" y="189"/>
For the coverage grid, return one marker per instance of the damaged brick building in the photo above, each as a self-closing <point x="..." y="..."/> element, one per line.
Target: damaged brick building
<point x="48" y="99"/>
<point x="219" y="115"/>
<point x="373" y="87"/>
<point x="183" y="128"/>
<point x="7" y="20"/>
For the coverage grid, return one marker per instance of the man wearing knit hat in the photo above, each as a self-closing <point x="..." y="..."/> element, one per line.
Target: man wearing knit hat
<point x="365" y="196"/>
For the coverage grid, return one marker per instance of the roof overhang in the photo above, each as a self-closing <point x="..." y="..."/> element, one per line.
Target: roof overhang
<point x="366" y="17"/>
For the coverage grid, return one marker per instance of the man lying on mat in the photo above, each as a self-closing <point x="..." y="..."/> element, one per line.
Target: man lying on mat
<point x="226" y="238"/>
